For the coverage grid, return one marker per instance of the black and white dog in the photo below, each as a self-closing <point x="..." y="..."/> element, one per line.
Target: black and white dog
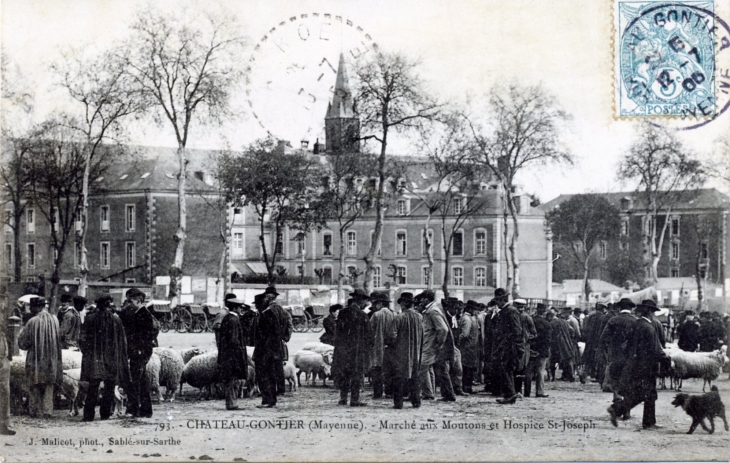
<point x="702" y="406"/>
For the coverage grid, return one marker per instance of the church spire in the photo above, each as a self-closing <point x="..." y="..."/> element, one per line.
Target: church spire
<point x="342" y="104"/>
<point x="342" y="124"/>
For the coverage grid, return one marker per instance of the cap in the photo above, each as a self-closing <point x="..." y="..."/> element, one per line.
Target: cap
<point x="520" y="301"/>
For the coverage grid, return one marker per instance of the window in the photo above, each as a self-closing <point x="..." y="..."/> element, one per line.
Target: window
<point x="327" y="244"/>
<point x="78" y="251"/>
<point x="400" y="275"/>
<point x="237" y="216"/>
<point x="675" y="226"/>
<point x="377" y="278"/>
<point x="425" y="276"/>
<point x="301" y="246"/>
<point x="457" y="244"/>
<point x="625" y="227"/>
<point x="279" y="244"/>
<point x="9" y="221"/>
<point x="300" y="270"/>
<point x="8" y="256"/>
<point x="480" y="242"/>
<point x="129" y="217"/>
<point x="457" y="277"/>
<point x="675" y="250"/>
<point x="458" y="205"/>
<point x="380" y="247"/>
<point x="30" y="220"/>
<point x="480" y="277"/>
<point x="423" y="241"/>
<point x="104" y="216"/>
<point x="30" y="257"/>
<point x="401" y="244"/>
<point x="237" y="249"/>
<point x="704" y="251"/>
<point x="602" y="249"/>
<point x="130" y="253"/>
<point x="675" y="273"/>
<point x="130" y="280"/>
<point x="351" y="243"/>
<point x="327" y="275"/>
<point x="351" y="274"/>
<point x="104" y="255"/>
<point x="402" y="207"/>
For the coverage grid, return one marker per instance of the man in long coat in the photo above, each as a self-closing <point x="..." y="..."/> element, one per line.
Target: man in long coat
<point x="43" y="365"/>
<point x="141" y="329"/>
<point x="381" y="359"/>
<point x="433" y="336"/>
<point x="562" y="347"/>
<point x="509" y="346"/>
<point x="6" y="356"/>
<point x="441" y="349"/>
<point x="638" y="379"/>
<point x="406" y="339"/>
<point x="70" y="322"/>
<point x="268" y="350"/>
<point x="528" y="332"/>
<point x="539" y="353"/>
<point x="352" y="348"/>
<point x="104" y="357"/>
<point x="593" y="358"/>
<point x="491" y="366"/>
<point x="613" y="339"/>
<point x="689" y="333"/>
<point x="330" y="325"/>
<point x="232" y="356"/>
<point x="469" y="345"/>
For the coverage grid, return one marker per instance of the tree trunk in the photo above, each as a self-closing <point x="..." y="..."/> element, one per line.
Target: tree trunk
<point x="18" y="255"/>
<point x="447" y="259"/>
<point x="181" y="234"/>
<point x="341" y="270"/>
<point x="55" y="280"/>
<point x="586" y="289"/>
<point x="429" y="251"/>
<point x="84" y="264"/>
<point x="700" y="281"/>
<point x="505" y="238"/>
<point x="515" y="236"/>
<point x="379" y="214"/>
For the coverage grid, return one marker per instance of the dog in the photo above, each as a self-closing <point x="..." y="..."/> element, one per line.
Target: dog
<point x="702" y="406"/>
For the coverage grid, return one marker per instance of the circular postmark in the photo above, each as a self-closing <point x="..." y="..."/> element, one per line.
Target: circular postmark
<point x="292" y="71"/>
<point x="671" y="62"/>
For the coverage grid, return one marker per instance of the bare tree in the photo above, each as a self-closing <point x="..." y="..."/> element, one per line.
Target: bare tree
<point x="705" y="230"/>
<point x="185" y="67"/>
<point x="663" y="170"/>
<point x="522" y="129"/>
<point x="105" y="95"/>
<point x="390" y="98"/>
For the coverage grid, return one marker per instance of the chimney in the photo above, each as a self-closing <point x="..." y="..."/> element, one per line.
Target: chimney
<point x="305" y="144"/>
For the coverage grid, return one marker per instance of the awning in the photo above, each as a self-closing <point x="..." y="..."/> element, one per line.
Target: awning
<point x="233" y="269"/>
<point x="257" y="267"/>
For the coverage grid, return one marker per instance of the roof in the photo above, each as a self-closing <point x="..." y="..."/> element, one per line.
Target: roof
<point x="342" y="104"/>
<point x="597" y="286"/>
<point x="667" y="283"/>
<point x="702" y="198"/>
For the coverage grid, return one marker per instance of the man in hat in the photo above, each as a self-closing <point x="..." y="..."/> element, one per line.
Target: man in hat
<point x="104" y="357"/>
<point x="70" y="322"/>
<point x="436" y="324"/>
<point x="286" y="326"/>
<point x="352" y="348"/>
<point x="330" y="324"/>
<point x="43" y="365"/>
<point x="593" y="358"/>
<point x="528" y="332"/>
<point x="406" y="339"/>
<point x="232" y="356"/>
<point x="469" y="345"/>
<point x="689" y="333"/>
<point x="381" y="359"/>
<point x="435" y="330"/>
<point x="509" y="349"/>
<point x="539" y="353"/>
<point x="491" y="365"/>
<point x="562" y="347"/>
<point x="267" y="353"/>
<point x="638" y="379"/>
<point x="141" y="329"/>
<point x="222" y="313"/>
<point x="6" y="356"/>
<point x="613" y="339"/>
<point x="80" y="306"/>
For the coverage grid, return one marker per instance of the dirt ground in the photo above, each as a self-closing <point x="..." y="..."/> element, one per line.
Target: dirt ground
<point x="572" y="424"/>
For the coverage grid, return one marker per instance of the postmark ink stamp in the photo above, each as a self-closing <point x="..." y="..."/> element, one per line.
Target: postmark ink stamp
<point x="665" y="59"/>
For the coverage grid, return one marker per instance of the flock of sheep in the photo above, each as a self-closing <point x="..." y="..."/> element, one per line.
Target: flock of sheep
<point x="171" y="369"/>
<point x="702" y="365"/>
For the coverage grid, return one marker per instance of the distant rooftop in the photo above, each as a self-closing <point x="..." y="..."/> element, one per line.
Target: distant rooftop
<point x="703" y="198"/>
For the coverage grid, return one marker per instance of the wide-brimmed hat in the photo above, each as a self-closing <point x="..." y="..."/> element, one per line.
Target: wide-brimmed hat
<point x="648" y="304"/>
<point x="500" y="292"/>
<point x="626" y="303"/>
<point x="405" y="297"/>
<point x="449" y="301"/>
<point x="66" y="297"/>
<point x="379" y="296"/>
<point x="80" y="302"/>
<point x="259" y="298"/>
<point x="103" y="301"/>
<point x="472" y="304"/>
<point x="37" y="302"/>
<point x="271" y="290"/>
<point x="359" y="294"/>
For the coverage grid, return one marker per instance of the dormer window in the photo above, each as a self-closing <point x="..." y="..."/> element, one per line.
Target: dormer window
<point x="402" y="207"/>
<point x="626" y="204"/>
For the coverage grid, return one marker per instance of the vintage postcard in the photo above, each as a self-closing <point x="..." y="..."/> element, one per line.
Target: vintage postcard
<point x="331" y="230"/>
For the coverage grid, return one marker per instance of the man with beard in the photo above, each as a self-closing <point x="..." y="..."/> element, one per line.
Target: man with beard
<point x="689" y="333"/>
<point x="232" y="356"/>
<point x="638" y="379"/>
<point x="539" y="353"/>
<point x="562" y="347"/>
<point x="141" y="329"/>
<point x="70" y="322"/>
<point x="613" y="340"/>
<point x="406" y="339"/>
<point x="469" y="345"/>
<point x="381" y="359"/>
<point x="104" y="357"/>
<point x="43" y="365"/>
<point x="352" y="348"/>
<point x="509" y="349"/>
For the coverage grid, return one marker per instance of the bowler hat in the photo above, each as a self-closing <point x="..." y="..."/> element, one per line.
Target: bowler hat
<point x="259" y="298"/>
<point x="134" y="292"/>
<point x="500" y="292"/>
<point x="359" y="294"/>
<point x="649" y="304"/>
<point x="66" y="297"/>
<point x="427" y="294"/>
<point x="541" y="308"/>
<point x="271" y="290"/>
<point x="229" y="296"/>
<point x="405" y="297"/>
<point x="379" y="296"/>
<point x="626" y="303"/>
<point x="471" y="304"/>
<point x="37" y="302"/>
<point x="79" y="302"/>
<point x="104" y="301"/>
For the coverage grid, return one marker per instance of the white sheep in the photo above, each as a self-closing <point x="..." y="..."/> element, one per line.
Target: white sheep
<point x="318" y="347"/>
<point x="705" y="365"/>
<point x="289" y="375"/>
<point x="189" y="353"/>
<point x="171" y="368"/>
<point x="154" y="365"/>
<point x="312" y="363"/>
<point x="70" y="359"/>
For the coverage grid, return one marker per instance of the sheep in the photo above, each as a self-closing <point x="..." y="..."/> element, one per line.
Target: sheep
<point x="70" y="359"/>
<point x="172" y="364"/>
<point x="705" y="365"/>
<point x="318" y="347"/>
<point x="312" y="363"/>
<point x="289" y="375"/>
<point x="199" y="372"/>
<point x="154" y="365"/>
<point x="74" y="389"/>
<point x="189" y="353"/>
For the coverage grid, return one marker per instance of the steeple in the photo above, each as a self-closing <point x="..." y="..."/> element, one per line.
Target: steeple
<point x="342" y="125"/>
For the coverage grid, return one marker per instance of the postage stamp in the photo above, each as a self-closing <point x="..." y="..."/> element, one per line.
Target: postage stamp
<point x="665" y="59"/>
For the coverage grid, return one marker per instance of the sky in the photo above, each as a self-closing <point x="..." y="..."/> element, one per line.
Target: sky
<point x="465" y="47"/>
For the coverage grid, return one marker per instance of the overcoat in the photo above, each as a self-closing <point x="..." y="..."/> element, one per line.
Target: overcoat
<point x="406" y="337"/>
<point x="70" y="327"/>
<point x="381" y="323"/>
<point x="509" y="344"/>
<point x="615" y="336"/>
<point x="329" y="324"/>
<point x="540" y="344"/>
<point x="353" y="342"/>
<point x="232" y="355"/>
<point x="562" y="346"/>
<point x="141" y="329"/>
<point x="528" y="332"/>
<point x="469" y="340"/>
<point x="643" y="354"/>
<point x="104" y="348"/>
<point x="268" y="336"/>
<point x="437" y="336"/>
<point x="689" y="335"/>
<point x="40" y="338"/>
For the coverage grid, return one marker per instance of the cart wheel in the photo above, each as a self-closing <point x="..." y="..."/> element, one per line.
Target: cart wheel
<point x="166" y="322"/>
<point x="300" y="324"/>
<point x="316" y="325"/>
<point x="199" y="323"/>
<point x="183" y="320"/>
